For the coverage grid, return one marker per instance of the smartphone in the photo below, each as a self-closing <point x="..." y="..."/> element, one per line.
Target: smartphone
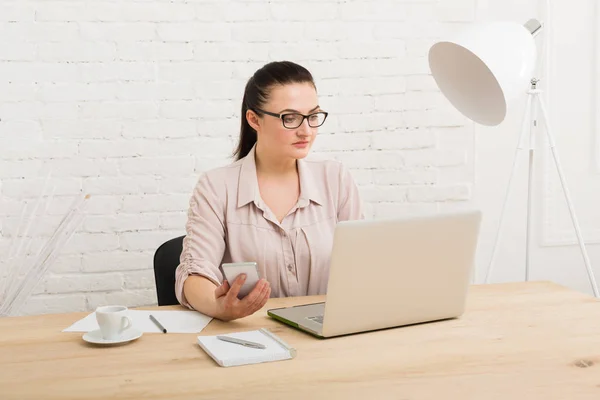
<point x="232" y="270"/>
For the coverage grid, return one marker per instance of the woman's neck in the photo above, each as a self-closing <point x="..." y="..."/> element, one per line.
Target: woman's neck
<point x="267" y="165"/>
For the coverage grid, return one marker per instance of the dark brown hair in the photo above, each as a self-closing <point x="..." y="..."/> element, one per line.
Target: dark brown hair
<point x="256" y="95"/>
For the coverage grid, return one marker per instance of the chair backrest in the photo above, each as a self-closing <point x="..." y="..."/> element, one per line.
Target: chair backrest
<point x="166" y="260"/>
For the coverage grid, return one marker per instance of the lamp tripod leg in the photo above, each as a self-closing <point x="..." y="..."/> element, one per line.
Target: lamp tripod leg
<point x="552" y="144"/>
<point x="529" y="213"/>
<point x="520" y="145"/>
<point x="530" y="183"/>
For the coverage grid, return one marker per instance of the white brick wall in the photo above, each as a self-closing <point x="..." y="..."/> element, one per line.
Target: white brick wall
<point x="130" y="101"/>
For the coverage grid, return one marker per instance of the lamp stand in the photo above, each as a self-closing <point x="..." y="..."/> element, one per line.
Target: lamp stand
<point x="535" y="104"/>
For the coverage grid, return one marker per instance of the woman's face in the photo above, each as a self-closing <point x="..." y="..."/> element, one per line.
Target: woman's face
<point x="278" y="140"/>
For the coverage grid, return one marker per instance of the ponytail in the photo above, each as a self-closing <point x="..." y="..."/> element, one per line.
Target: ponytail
<point x="247" y="133"/>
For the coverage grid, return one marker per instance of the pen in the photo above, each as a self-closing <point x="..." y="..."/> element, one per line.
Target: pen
<point x="242" y="342"/>
<point x="162" y="328"/>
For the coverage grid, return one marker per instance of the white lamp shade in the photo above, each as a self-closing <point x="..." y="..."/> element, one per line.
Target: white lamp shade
<point x="484" y="68"/>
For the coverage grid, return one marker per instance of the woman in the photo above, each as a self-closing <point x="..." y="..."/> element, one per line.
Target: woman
<point x="270" y="206"/>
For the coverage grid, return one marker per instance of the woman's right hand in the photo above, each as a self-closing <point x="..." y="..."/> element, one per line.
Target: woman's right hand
<point x="229" y="307"/>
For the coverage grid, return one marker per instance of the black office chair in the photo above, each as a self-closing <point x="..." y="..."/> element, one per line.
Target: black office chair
<point x="166" y="260"/>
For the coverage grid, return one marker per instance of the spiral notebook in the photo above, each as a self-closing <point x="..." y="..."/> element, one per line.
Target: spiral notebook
<point x="228" y="354"/>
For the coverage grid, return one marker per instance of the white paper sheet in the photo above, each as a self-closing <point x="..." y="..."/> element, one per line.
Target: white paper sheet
<point x="173" y="321"/>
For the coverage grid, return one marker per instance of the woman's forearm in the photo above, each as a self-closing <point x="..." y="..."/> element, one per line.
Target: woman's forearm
<point x="200" y="294"/>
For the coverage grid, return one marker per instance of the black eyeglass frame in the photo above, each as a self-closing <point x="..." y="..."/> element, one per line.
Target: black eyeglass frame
<point x="282" y="116"/>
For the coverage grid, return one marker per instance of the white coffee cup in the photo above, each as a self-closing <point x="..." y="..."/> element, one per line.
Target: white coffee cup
<point x="113" y="321"/>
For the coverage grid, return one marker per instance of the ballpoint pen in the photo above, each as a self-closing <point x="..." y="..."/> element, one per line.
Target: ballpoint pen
<point x="162" y="328"/>
<point x="242" y="342"/>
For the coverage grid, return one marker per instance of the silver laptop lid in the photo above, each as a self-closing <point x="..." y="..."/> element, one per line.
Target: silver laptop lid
<point x="393" y="272"/>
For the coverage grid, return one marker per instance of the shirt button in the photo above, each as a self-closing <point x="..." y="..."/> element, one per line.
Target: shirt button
<point x="290" y="267"/>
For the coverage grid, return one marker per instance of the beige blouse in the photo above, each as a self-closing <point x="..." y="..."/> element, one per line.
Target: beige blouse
<point x="229" y="222"/>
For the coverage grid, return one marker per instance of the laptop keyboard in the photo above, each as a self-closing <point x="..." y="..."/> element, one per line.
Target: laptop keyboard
<point x="317" y="318"/>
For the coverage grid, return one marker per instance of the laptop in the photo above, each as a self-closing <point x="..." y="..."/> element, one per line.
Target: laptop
<point x="391" y="273"/>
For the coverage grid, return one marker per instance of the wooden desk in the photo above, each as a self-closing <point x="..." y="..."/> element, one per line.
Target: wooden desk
<point x="516" y="341"/>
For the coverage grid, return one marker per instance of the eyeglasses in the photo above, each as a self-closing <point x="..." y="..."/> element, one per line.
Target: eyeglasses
<point x="294" y="120"/>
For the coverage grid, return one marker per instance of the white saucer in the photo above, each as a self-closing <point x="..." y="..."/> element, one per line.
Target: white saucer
<point x="127" y="336"/>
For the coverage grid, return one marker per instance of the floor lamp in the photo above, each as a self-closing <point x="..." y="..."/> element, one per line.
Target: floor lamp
<point x="480" y="71"/>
